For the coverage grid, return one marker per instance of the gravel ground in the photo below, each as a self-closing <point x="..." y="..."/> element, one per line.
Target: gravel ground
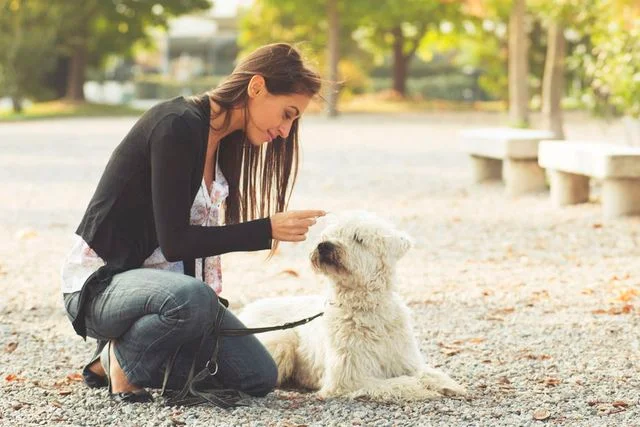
<point x="535" y="309"/>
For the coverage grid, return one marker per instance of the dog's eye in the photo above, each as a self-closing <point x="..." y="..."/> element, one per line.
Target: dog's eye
<point x="357" y="239"/>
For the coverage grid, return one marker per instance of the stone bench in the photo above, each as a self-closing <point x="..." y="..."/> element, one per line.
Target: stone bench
<point x="509" y="154"/>
<point x="571" y="164"/>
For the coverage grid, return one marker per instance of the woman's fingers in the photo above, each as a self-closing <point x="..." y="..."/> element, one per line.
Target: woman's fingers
<point x="293" y="226"/>
<point x="308" y="214"/>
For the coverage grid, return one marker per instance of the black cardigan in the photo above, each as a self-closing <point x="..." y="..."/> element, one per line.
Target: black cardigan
<point x="144" y="198"/>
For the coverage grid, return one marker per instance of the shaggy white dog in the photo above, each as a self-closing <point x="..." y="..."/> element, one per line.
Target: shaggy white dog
<point x="364" y="344"/>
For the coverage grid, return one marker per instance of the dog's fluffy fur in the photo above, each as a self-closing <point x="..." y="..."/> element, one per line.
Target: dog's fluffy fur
<point x="364" y="344"/>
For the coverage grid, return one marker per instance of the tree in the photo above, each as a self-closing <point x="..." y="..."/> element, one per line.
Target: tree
<point x="27" y="31"/>
<point x="318" y="27"/>
<point x="518" y="65"/>
<point x="610" y="56"/>
<point x="399" y="26"/>
<point x="333" y="53"/>
<point x="94" y="29"/>
<point x="556" y="15"/>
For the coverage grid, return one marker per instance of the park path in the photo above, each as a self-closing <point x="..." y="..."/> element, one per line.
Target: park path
<point x="533" y="308"/>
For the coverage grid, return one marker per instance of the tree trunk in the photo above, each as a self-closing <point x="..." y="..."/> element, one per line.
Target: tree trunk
<point x="76" y="77"/>
<point x="400" y="62"/>
<point x="334" y="57"/>
<point x="554" y="80"/>
<point x="17" y="104"/>
<point x="518" y="66"/>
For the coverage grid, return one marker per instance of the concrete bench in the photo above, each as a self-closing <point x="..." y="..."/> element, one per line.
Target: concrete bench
<point x="571" y="164"/>
<point x="509" y="154"/>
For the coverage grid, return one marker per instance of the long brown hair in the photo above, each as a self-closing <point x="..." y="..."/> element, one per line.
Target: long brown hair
<point x="261" y="179"/>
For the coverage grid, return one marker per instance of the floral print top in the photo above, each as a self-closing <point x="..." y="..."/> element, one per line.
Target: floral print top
<point x="82" y="261"/>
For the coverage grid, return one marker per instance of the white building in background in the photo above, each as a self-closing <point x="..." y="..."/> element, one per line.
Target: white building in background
<point x="198" y="45"/>
<point x="204" y="44"/>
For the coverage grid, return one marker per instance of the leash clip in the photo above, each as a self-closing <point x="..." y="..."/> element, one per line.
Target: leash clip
<point x="207" y="366"/>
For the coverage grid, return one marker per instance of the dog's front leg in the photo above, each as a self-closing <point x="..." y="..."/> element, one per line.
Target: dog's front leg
<point x="437" y="380"/>
<point x="397" y="389"/>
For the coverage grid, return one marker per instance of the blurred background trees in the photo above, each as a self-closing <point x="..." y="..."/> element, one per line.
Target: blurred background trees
<point x="515" y="55"/>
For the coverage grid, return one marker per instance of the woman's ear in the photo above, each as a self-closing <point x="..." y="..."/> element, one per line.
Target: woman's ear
<point x="257" y="86"/>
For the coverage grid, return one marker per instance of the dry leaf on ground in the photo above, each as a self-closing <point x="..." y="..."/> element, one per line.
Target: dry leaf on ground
<point x="290" y="272"/>
<point x="541" y="414"/>
<point x="11" y="347"/>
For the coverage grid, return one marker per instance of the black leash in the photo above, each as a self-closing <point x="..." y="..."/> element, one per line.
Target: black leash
<point x="225" y="398"/>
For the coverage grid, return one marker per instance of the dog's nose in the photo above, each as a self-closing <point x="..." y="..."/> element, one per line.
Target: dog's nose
<point x="325" y="248"/>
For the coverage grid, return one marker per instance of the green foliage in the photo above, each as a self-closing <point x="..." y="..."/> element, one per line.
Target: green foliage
<point x="612" y="65"/>
<point x="27" y="32"/>
<point x="377" y="21"/>
<point x="113" y="27"/>
<point x="304" y="24"/>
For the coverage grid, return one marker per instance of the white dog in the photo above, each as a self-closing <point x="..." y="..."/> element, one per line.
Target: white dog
<point x="364" y="344"/>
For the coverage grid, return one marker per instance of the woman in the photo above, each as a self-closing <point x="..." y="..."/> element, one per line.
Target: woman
<point x="144" y="275"/>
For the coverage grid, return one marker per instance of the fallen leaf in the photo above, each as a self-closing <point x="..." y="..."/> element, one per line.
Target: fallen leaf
<point x="551" y="382"/>
<point x="13" y="377"/>
<point x="451" y="351"/>
<point x="503" y="380"/>
<point x="64" y="392"/>
<point x="620" y="404"/>
<point x="290" y="272"/>
<point x="532" y="356"/>
<point x="627" y="295"/>
<point x="56" y="404"/>
<point x="11" y="347"/>
<point x="477" y="340"/>
<point x="541" y="414"/>
<point x="596" y="225"/>
<point x="625" y="309"/>
<point x="74" y="377"/>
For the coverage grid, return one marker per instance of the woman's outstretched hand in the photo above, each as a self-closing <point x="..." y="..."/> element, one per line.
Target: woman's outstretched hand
<point x="292" y="226"/>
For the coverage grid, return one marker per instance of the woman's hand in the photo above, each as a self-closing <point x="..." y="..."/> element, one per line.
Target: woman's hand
<point x="292" y="226"/>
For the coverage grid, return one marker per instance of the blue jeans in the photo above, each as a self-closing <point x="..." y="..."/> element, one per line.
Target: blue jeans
<point x="149" y="313"/>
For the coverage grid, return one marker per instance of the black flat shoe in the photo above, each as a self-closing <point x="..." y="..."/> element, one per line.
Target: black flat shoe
<point x="135" y="396"/>
<point x="92" y="379"/>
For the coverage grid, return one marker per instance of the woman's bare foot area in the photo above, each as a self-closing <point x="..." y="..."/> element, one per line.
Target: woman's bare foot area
<point x="119" y="382"/>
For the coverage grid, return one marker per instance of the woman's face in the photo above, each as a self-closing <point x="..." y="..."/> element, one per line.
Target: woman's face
<point x="270" y="115"/>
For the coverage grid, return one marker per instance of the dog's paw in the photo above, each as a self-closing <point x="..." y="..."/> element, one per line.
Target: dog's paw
<point x="442" y="383"/>
<point x="326" y="393"/>
<point x="453" y="389"/>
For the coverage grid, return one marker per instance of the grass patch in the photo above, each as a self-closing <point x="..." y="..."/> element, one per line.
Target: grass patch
<point x="58" y="109"/>
<point x="381" y="103"/>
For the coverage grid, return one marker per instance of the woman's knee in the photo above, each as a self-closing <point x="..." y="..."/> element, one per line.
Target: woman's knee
<point x="265" y="382"/>
<point x="270" y="378"/>
<point x="191" y="304"/>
